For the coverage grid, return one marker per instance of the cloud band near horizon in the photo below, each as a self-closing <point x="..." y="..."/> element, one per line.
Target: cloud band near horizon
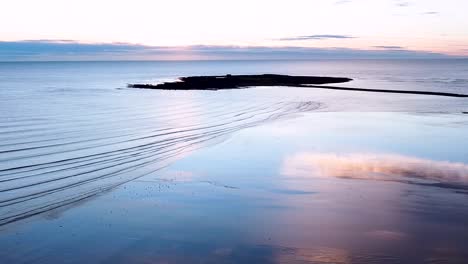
<point x="47" y="50"/>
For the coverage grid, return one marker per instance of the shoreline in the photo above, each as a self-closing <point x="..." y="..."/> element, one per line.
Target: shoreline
<point x="386" y="91"/>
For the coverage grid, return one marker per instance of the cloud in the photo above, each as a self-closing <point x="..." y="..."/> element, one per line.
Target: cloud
<point x="400" y="3"/>
<point x="33" y="47"/>
<point x="341" y="2"/>
<point x="430" y="13"/>
<point x="389" y="47"/>
<point x="317" y="37"/>
<point x="68" y="50"/>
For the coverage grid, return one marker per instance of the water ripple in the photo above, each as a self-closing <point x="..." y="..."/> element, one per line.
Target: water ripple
<point x="52" y="162"/>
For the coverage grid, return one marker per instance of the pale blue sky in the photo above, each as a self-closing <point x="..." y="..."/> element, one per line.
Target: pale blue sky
<point x="415" y="25"/>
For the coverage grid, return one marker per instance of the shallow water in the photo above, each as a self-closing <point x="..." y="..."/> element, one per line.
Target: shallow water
<point x="262" y="175"/>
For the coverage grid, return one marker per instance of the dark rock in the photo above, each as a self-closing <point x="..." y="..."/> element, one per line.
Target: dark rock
<point x="238" y="81"/>
<point x="242" y="81"/>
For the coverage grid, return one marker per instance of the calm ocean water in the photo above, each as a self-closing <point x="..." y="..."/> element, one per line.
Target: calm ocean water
<point x="70" y="131"/>
<point x="29" y="89"/>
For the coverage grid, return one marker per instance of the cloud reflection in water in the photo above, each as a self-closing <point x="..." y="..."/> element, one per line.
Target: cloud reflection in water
<point x="377" y="167"/>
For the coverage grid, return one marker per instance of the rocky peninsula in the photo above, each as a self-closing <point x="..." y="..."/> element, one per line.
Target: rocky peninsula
<point x="243" y="81"/>
<point x="239" y="81"/>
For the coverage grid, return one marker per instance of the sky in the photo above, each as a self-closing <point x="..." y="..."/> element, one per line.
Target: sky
<point x="175" y="27"/>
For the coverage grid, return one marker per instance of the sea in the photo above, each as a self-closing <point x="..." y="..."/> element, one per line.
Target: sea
<point x="93" y="171"/>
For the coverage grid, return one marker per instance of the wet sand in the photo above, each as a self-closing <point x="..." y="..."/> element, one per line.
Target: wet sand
<point x="321" y="188"/>
<point x="79" y="167"/>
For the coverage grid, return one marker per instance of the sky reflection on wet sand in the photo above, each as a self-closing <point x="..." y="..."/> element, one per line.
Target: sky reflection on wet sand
<point x="378" y="167"/>
<point x="279" y="193"/>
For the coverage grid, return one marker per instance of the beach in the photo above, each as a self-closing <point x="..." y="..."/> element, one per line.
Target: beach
<point x="94" y="171"/>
